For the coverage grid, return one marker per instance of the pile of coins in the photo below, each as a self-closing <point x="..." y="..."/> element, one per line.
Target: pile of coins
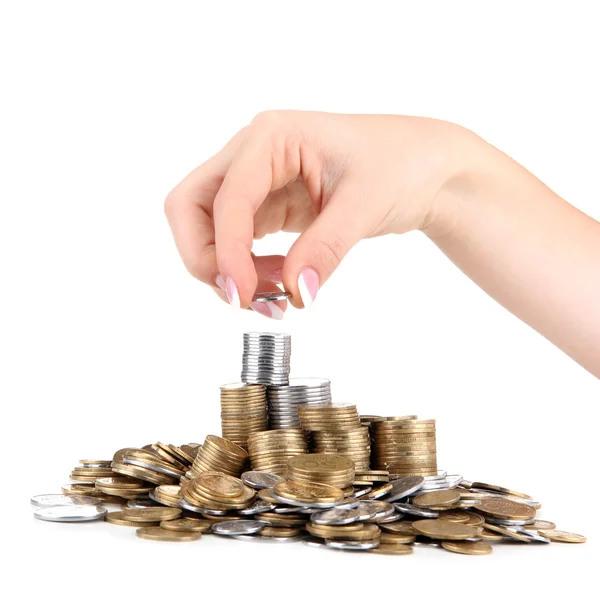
<point x="285" y="400"/>
<point x="405" y="446"/>
<point x="330" y="498"/>
<point x="243" y="411"/>
<point x="271" y="450"/>
<point x="218" y="454"/>
<point x="329" y="469"/>
<point x="266" y="358"/>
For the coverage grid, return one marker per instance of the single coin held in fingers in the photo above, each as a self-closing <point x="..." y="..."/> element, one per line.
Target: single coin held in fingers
<point x="270" y="296"/>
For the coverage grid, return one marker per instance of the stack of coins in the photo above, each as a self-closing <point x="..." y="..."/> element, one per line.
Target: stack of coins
<point x="405" y="446"/>
<point x="217" y="491"/>
<point x="148" y="465"/>
<point x="333" y="417"/>
<point x="266" y="358"/>
<point x="124" y="487"/>
<point x="330" y="469"/>
<point x="354" y="444"/>
<point x="243" y="411"/>
<point x="270" y="450"/>
<point x="221" y="455"/>
<point x="169" y="495"/>
<point x="285" y="400"/>
<point x="88" y="470"/>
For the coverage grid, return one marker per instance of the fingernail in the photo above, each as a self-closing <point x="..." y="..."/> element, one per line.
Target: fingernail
<point x="267" y="309"/>
<point x="232" y="293"/>
<point x="220" y="281"/>
<point x="308" y="285"/>
<point x="276" y="276"/>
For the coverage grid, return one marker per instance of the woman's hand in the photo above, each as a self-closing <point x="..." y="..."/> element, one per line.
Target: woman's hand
<point x="334" y="178"/>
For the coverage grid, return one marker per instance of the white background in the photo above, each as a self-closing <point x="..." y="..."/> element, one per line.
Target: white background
<point x="108" y="342"/>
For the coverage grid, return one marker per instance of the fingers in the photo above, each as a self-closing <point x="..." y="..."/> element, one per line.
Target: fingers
<point x="264" y="163"/>
<point x="320" y="249"/>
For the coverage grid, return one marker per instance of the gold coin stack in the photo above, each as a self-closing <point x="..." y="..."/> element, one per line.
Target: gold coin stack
<point x="217" y="491"/>
<point x="218" y="454"/>
<point x="270" y="450"/>
<point x="88" y="470"/>
<point x="354" y="444"/>
<point x="336" y="429"/>
<point x="243" y="411"/>
<point x="405" y="446"/>
<point x="332" y="417"/>
<point x="330" y="469"/>
<point x="148" y="465"/>
<point x="169" y="495"/>
<point x="124" y="487"/>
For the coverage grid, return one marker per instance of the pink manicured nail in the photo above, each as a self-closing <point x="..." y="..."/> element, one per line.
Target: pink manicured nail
<point x="267" y="309"/>
<point x="308" y="285"/>
<point x="232" y="293"/>
<point x="276" y="276"/>
<point x="220" y="281"/>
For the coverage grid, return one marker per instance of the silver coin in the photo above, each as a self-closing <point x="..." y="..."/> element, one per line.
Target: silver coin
<point x="185" y="504"/>
<point x="378" y="493"/>
<point x="292" y="510"/>
<point x="534" y="537"/>
<point x="70" y="514"/>
<point x="64" y="500"/>
<point x="348" y="503"/>
<point x="336" y="516"/>
<point x="268" y="540"/>
<point x="282" y="500"/>
<point x="352" y="544"/>
<point x="256" y="508"/>
<point x="261" y="479"/>
<point x="404" y="487"/>
<point x="396" y="516"/>
<point x="373" y="509"/>
<point x="360" y="493"/>
<point x="409" y="509"/>
<point x="474" y="539"/>
<point x="270" y="296"/>
<point x="454" y="480"/>
<point x="314" y="542"/>
<point x="310" y="511"/>
<point x="244" y="527"/>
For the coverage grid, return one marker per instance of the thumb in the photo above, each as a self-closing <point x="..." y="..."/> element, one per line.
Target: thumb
<point x="317" y="253"/>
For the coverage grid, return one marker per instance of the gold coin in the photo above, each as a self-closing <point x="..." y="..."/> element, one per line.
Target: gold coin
<point x="457" y="516"/>
<point x="507" y="532"/>
<point x="120" y="482"/>
<point x="475" y="519"/>
<point x="141" y="473"/>
<point x="220" y="485"/>
<point x="329" y="530"/>
<point x="320" y="463"/>
<point x="116" y="518"/>
<point x="158" y="534"/>
<point x="505" y="509"/>
<point x="497" y="488"/>
<point x="490" y="536"/>
<point x="311" y="493"/>
<point x="226" y="447"/>
<point x="154" y="513"/>
<point x="266" y="495"/>
<point x="467" y="547"/>
<point x="392" y="549"/>
<point x="377" y="492"/>
<point x="280" y="531"/>
<point x="440" y="498"/>
<point x="282" y="520"/>
<point x="187" y="524"/>
<point x="396" y="538"/>
<point x="562" y="536"/>
<point x="444" y="530"/>
<point x="537" y="524"/>
<point x="403" y="527"/>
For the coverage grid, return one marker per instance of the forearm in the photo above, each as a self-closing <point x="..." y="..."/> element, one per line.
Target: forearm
<point x="525" y="246"/>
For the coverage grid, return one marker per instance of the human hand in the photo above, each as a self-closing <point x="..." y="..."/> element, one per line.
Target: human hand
<point x="336" y="179"/>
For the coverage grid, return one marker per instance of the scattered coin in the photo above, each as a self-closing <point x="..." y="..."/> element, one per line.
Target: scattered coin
<point x="70" y="514"/>
<point x="444" y="530"/>
<point x="158" y="534"/>
<point x="562" y="536"/>
<point x="467" y="547"/>
<point x="352" y="544"/>
<point x="64" y="500"/>
<point x="237" y="527"/>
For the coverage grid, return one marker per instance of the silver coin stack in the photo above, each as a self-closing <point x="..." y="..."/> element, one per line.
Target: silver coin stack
<point x="266" y="358"/>
<point x="283" y="401"/>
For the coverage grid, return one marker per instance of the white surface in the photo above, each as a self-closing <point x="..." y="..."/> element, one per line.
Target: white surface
<point x="107" y="342"/>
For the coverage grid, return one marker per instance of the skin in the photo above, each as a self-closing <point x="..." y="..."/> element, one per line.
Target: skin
<point x="337" y="179"/>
